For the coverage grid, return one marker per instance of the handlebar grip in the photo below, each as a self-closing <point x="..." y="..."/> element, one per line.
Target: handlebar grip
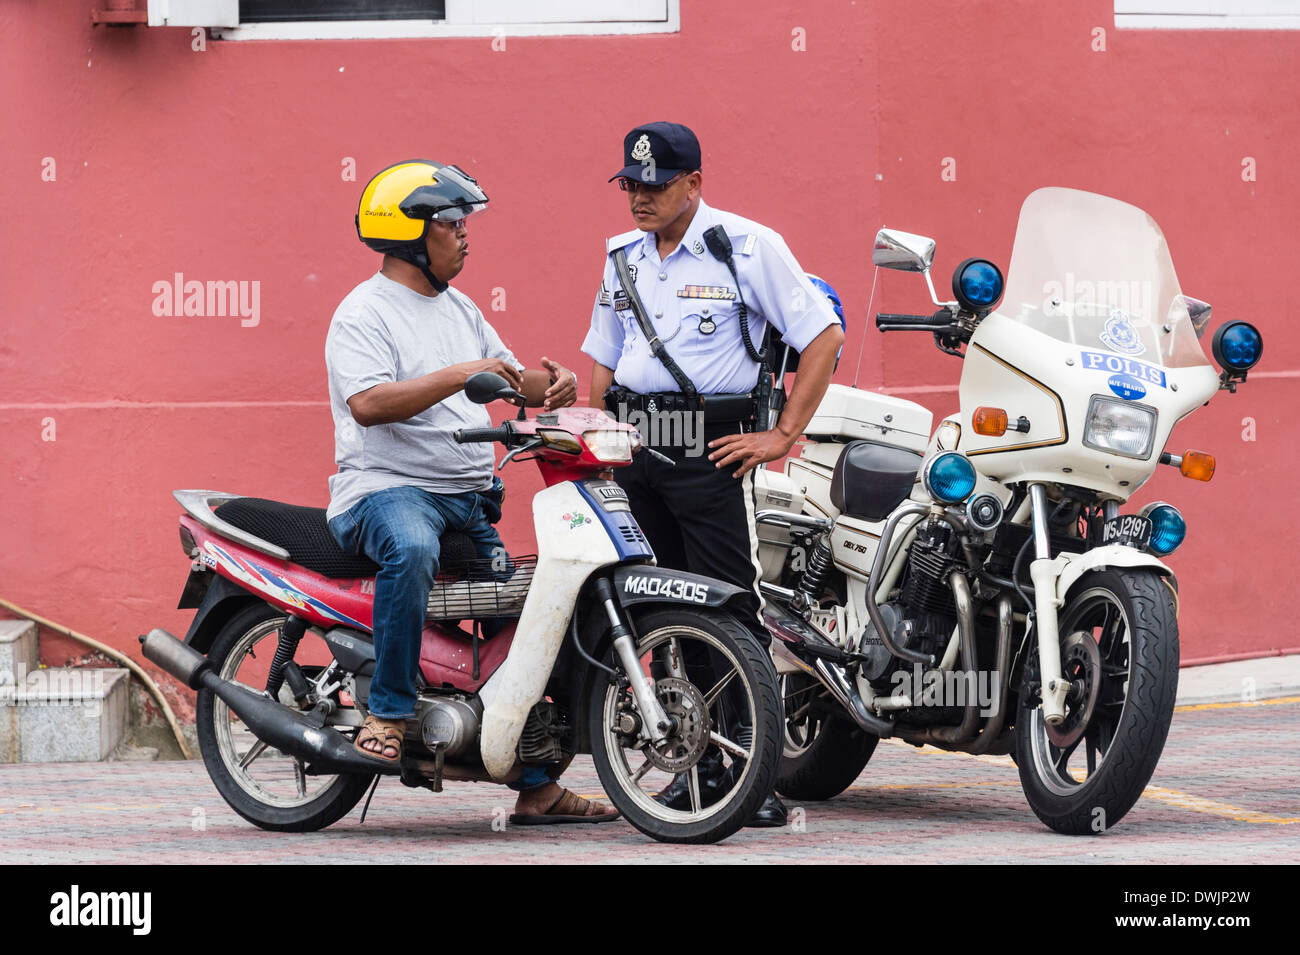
<point x="938" y="322"/>
<point x="477" y="435"/>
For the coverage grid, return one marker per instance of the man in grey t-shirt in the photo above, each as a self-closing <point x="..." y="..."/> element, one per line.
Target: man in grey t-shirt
<point x="400" y="348"/>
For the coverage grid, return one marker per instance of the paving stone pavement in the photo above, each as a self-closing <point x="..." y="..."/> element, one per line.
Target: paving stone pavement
<point x="1227" y="791"/>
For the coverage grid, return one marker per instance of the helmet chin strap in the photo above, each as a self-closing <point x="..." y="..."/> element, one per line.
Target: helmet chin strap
<point x="420" y="259"/>
<point x="438" y="284"/>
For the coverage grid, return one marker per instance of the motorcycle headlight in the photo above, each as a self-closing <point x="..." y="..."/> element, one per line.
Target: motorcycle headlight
<point x="1120" y="427"/>
<point x="950" y="477"/>
<point x="1167" y="527"/>
<point x="611" y="445"/>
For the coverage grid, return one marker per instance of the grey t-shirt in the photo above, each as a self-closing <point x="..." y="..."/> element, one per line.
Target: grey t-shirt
<point x="384" y="331"/>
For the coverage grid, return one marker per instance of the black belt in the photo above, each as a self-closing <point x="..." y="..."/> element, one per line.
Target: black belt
<point x="714" y="407"/>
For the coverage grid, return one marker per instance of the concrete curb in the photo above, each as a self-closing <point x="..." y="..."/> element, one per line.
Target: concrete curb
<point x="1238" y="681"/>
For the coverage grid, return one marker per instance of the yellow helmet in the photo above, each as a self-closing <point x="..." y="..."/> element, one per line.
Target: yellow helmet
<point x="399" y="202"/>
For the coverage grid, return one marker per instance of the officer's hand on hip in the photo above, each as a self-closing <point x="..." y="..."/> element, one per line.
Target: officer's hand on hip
<point x="749" y="450"/>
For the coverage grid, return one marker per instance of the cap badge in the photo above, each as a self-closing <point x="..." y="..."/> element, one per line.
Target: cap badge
<point x="641" y="150"/>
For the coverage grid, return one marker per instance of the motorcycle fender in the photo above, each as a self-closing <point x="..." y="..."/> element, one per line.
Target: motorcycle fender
<point x="214" y="611"/>
<point x="644" y="583"/>
<point x="572" y="543"/>
<point x="1111" y="555"/>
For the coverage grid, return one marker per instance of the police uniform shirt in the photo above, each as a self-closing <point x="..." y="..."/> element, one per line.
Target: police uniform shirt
<point x="692" y="302"/>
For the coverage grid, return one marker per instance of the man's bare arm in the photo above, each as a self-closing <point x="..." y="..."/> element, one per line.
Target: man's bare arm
<point x="398" y="400"/>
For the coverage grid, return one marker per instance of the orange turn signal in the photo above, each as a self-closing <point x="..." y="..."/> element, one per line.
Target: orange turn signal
<point x="990" y="421"/>
<point x="1198" y="465"/>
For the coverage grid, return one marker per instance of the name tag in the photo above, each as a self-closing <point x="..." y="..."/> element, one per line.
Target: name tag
<point x="621" y="301"/>
<point x="707" y="291"/>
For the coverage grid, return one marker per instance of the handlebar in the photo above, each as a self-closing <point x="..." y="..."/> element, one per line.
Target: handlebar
<point x="481" y="435"/>
<point x="940" y="321"/>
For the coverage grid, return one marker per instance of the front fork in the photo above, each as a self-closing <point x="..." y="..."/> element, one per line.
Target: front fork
<point x="655" y="726"/>
<point x="1044" y="571"/>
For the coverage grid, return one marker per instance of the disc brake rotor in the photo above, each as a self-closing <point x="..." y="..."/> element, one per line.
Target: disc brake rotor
<point x="686" y="706"/>
<point x="1081" y="665"/>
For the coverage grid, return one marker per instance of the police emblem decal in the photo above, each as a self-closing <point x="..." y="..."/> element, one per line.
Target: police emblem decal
<point x="651" y="407"/>
<point x="641" y="150"/>
<point x="1120" y="334"/>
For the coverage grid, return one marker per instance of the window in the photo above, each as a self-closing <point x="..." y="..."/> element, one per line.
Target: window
<point x="1208" y="14"/>
<point x="375" y="19"/>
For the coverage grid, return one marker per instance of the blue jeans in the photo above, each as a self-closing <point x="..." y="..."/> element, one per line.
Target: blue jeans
<point x="400" y="528"/>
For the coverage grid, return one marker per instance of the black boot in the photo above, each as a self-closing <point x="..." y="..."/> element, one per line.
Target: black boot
<point x="771" y="815"/>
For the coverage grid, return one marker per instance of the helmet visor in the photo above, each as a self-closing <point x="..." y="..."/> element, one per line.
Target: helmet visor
<point x="456" y="213"/>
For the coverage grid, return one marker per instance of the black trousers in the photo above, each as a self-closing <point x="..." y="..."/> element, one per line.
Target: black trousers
<point x="698" y="517"/>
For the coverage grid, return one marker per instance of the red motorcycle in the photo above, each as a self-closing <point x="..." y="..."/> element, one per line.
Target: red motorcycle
<point x="582" y="651"/>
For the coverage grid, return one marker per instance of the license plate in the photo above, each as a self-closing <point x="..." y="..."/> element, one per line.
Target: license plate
<point x="1127" y="529"/>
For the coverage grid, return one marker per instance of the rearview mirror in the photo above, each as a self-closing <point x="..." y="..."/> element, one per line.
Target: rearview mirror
<point x="1199" y="312"/>
<point x="902" y="251"/>
<point x="488" y="386"/>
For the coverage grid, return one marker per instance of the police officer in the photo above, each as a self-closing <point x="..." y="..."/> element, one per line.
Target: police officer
<point x="709" y="283"/>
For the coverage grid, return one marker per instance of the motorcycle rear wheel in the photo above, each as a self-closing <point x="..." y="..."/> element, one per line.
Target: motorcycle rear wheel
<point x="823" y="753"/>
<point x="631" y="779"/>
<point x="263" y="785"/>
<point x="1130" y="615"/>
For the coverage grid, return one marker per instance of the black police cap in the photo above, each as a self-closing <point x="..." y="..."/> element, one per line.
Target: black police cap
<point x="656" y="152"/>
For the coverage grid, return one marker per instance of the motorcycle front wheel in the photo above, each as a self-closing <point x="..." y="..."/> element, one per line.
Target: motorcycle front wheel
<point x="267" y="787"/>
<point x="1119" y="650"/>
<point x="732" y="714"/>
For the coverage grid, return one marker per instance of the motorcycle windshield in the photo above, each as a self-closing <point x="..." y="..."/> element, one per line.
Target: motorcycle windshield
<point x="1096" y="272"/>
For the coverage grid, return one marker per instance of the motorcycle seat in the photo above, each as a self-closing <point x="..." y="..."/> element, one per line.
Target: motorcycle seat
<point x="305" y="534"/>
<point x="872" y="478"/>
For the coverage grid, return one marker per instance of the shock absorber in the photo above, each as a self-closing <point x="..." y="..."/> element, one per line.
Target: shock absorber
<point x="810" y="585"/>
<point x="287" y="645"/>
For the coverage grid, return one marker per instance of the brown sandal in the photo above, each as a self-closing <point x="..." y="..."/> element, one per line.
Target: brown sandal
<point x="569" y="807"/>
<point x="388" y="733"/>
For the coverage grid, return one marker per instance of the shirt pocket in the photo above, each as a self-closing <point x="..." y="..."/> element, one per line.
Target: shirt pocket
<point x="708" y="326"/>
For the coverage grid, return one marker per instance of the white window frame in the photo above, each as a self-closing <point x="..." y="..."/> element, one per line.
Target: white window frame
<point x="1207" y="14"/>
<point x="463" y="18"/>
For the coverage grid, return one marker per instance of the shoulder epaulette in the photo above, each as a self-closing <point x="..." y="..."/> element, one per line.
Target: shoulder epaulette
<point x="619" y="241"/>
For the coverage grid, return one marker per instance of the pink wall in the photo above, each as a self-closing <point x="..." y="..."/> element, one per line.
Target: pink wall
<point x="225" y="165"/>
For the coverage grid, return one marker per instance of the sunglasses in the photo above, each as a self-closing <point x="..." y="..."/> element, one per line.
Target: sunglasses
<point x="635" y="185"/>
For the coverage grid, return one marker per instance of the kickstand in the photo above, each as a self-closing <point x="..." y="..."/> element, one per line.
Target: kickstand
<point x="369" y="796"/>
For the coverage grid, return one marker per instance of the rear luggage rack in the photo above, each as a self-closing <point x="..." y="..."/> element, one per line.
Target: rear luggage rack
<point x="198" y="505"/>
<point x="475" y="589"/>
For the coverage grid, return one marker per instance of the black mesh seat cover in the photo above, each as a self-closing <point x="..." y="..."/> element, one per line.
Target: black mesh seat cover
<point x="304" y="533"/>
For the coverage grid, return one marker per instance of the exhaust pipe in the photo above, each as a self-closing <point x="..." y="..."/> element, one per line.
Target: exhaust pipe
<point x="287" y="730"/>
<point x="788" y="630"/>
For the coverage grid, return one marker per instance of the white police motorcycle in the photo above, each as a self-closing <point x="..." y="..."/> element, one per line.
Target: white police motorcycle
<point x="978" y="589"/>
